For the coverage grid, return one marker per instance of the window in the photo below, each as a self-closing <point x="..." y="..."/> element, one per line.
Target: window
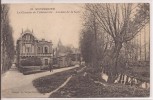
<point x="46" y="50"/>
<point x="32" y="48"/>
<point x="39" y="50"/>
<point x="28" y="49"/>
<point x="23" y="49"/>
<point x="26" y="37"/>
<point x="30" y="37"/>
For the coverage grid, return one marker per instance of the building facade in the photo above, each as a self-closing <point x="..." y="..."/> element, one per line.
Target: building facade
<point x="29" y="46"/>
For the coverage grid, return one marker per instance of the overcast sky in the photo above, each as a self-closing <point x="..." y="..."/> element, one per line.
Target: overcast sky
<point x="50" y="26"/>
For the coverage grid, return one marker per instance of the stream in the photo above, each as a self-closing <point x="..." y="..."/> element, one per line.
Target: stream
<point x="128" y="80"/>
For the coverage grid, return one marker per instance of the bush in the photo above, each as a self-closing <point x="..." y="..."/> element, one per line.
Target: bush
<point x="31" y="61"/>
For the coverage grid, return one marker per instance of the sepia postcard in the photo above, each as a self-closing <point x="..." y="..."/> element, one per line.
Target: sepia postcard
<point x="75" y="50"/>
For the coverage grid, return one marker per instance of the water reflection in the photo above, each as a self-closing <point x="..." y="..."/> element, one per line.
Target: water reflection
<point x="128" y="80"/>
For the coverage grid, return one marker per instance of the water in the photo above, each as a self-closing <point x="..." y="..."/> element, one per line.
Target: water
<point x="127" y="80"/>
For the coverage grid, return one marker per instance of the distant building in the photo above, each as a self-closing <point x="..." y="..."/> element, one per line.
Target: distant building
<point x="66" y="56"/>
<point x="62" y="56"/>
<point x="29" y="46"/>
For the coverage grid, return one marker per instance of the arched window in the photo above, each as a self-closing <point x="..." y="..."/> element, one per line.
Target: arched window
<point x="46" y="50"/>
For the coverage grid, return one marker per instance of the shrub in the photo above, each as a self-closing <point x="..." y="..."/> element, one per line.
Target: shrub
<point x="31" y="61"/>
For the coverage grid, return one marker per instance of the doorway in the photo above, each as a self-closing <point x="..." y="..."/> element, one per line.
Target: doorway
<point x="46" y="61"/>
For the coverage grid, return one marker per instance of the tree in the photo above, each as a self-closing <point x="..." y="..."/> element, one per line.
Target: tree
<point x="86" y="40"/>
<point x="122" y="22"/>
<point x="7" y="42"/>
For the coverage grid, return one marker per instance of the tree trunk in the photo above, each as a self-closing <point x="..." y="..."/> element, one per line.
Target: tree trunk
<point x="120" y="79"/>
<point x="94" y="61"/>
<point x="114" y="62"/>
<point x="126" y="82"/>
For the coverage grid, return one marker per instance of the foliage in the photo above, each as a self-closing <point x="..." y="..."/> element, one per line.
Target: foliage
<point x="7" y="42"/>
<point x="31" y="61"/>
<point x="28" y="71"/>
<point x="86" y="41"/>
<point x="75" y="57"/>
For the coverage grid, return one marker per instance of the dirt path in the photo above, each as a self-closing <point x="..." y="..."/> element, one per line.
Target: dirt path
<point x="15" y="84"/>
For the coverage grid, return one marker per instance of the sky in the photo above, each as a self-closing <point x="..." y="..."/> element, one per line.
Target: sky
<point x="54" y="24"/>
<point x="60" y="21"/>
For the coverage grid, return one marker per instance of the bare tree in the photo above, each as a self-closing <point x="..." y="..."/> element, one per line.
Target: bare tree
<point x="122" y="22"/>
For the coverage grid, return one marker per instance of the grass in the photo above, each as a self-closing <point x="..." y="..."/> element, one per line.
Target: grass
<point x="84" y="87"/>
<point x="48" y="83"/>
<point x="81" y="86"/>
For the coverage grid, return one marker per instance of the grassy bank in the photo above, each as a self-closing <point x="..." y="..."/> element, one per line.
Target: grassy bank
<point x="48" y="83"/>
<point x="81" y="86"/>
